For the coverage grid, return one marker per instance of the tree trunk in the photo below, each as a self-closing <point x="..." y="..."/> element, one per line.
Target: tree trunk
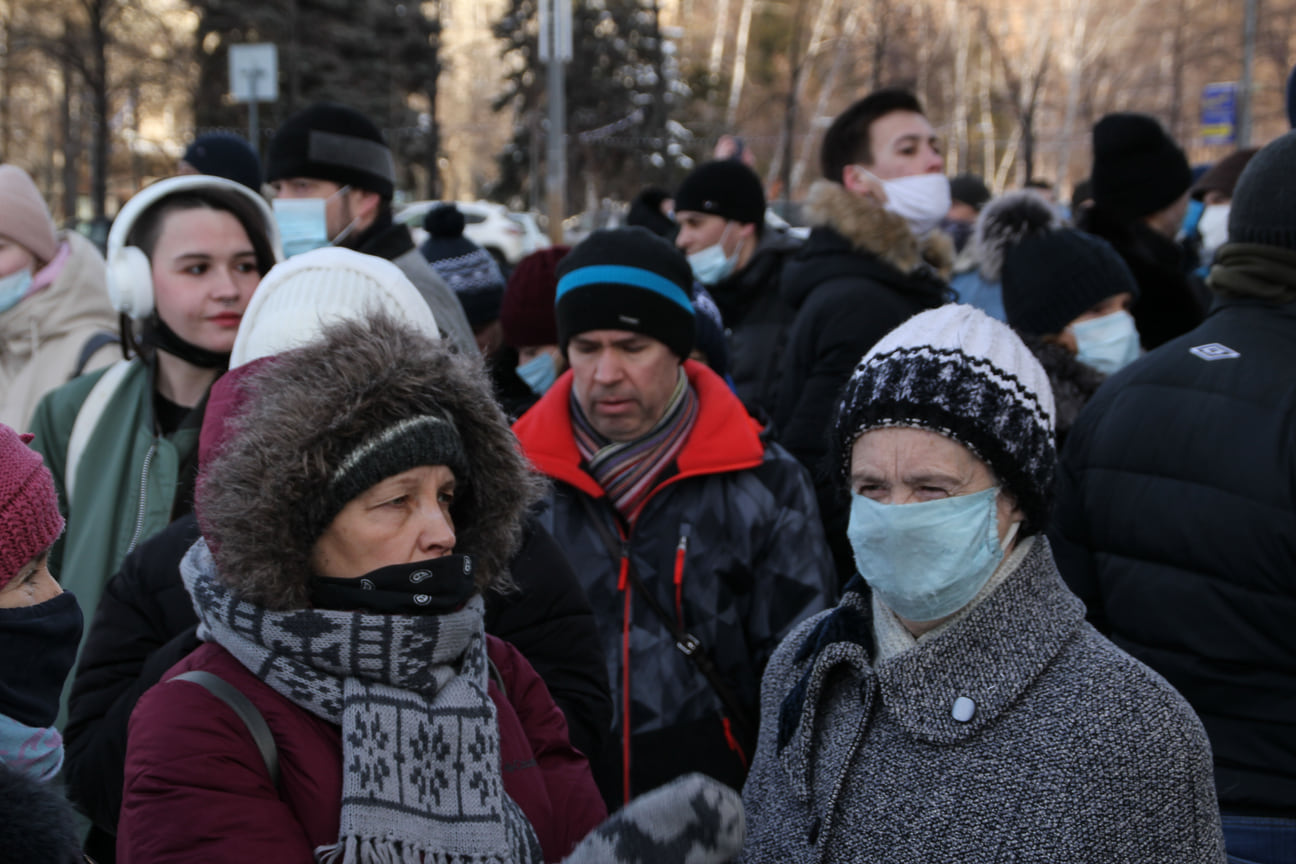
<point x="71" y="146"/>
<point x="740" y="64"/>
<point x="716" y="61"/>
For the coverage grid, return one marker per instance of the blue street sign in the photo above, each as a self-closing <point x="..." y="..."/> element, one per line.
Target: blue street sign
<point x="1219" y="113"/>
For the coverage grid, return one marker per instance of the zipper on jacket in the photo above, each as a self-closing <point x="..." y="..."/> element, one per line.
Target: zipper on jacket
<point x="681" y="550"/>
<point x="143" y="505"/>
<point x="623" y="585"/>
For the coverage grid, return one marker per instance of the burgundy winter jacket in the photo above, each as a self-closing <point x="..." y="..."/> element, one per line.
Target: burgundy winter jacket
<point x="196" y="788"/>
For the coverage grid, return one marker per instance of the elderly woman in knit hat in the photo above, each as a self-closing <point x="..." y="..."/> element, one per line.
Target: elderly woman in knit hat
<point x="40" y="625"/>
<point x="955" y="706"/>
<point x="55" y="319"/>
<point x="358" y="502"/>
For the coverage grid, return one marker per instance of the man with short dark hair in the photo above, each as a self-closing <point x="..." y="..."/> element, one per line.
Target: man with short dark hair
<point x="698" y="542"/>
<point x="873" y="259"/>
<point x="333" y="179"/>
<point x="720" y="209"/>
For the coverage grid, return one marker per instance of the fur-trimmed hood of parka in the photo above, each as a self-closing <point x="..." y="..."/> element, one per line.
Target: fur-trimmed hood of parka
<point x="871" y="228"/>
<point x="262" y="495"/>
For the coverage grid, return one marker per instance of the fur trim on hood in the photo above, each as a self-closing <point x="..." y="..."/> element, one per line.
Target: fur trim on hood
<point x="870" y="228"/>
<point x="1003" y="223"/>
<point x="308" y="409"/>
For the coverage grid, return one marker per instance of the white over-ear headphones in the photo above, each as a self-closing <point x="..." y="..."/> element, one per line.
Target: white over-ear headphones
<point x="130" y="275"/>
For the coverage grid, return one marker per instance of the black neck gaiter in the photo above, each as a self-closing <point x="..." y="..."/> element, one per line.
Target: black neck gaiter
<point x="38" y="645"/>
<point x="158" y="335"/>
<point x="422" y="588"/>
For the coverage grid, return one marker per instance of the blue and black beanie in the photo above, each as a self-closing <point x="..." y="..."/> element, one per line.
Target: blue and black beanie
<point x="627" y="279"/>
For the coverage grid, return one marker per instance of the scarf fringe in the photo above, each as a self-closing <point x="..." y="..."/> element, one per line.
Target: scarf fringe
<point x="370" y="850"/>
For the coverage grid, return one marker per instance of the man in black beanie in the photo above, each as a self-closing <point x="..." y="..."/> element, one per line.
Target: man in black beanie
<point x="333" y="179"/>
<point x="1176" y="511"/>
<point x="697" y="541"/>
<point x="1140" y="188"/>
<point x="720" y="209"/>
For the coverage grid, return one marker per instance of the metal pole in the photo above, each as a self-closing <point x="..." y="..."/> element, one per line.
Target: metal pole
<point x="252" y="112"/>
<point x="1248" y="72"/>
<point x="556" y="175"/>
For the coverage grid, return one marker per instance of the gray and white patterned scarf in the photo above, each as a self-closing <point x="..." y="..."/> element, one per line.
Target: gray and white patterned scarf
<point x="420" y="742"/>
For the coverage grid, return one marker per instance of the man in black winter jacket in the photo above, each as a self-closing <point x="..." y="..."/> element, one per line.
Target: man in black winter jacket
<point x="874" y="258"/>
<point x="696" y="540"/>
<point x="1176" y="511"/>
<point x="720" y="209"/>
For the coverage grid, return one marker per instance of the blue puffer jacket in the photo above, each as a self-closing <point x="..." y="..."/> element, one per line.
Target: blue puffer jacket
<point x="1176" y="523"/>
<point x="730" y="544"/>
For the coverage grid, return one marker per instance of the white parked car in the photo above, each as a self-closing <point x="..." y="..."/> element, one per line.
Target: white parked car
<point x="508" y="236"/>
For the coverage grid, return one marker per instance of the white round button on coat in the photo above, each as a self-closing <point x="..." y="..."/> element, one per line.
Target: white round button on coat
<point x="964" y="708"/>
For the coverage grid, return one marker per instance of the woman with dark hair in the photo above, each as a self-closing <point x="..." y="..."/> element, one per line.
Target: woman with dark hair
<point x="184" y="256"/>
<point x="362" y="494"/>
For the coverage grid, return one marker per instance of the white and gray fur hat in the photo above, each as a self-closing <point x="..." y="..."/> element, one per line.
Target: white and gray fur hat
<point x="958" y="372"/>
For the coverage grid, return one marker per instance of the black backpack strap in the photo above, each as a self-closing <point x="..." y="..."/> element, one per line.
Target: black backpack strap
<point x="686" y="643"/>
<point x="246" y="711"/>
<point x="91" y="346"/>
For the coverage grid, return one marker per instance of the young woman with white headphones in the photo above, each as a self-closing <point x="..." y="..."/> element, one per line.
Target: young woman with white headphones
<point x="184" y="256"/>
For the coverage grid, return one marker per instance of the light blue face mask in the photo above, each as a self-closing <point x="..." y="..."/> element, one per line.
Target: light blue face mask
<point x="1109" y="343"/>
<point x="711" y="265"/>
<point x="13" y="288"/>
<point x="302" y="225"/>
<point x="539" y="373"/>
<point x="927" y="560"/>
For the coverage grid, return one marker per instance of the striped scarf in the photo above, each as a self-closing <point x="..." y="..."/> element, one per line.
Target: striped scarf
<point x="628" y="471"/>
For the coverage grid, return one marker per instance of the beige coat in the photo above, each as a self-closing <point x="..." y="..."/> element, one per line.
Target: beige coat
<point x="42" y="337"/>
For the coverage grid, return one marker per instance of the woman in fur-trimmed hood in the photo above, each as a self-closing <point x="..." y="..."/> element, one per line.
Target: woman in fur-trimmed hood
<point x="357" y="496"/>
<point x="323" y="410"/>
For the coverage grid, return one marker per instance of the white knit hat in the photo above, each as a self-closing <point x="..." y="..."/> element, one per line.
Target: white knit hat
<point x="300" y="297"/>
<point x="959" y="372"/>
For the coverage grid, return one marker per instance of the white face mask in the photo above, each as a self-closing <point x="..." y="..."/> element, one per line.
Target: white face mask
<point x="1109" y="343"/>
<point x="922" y="200"/>
<point x="1213" y="227"/>
<point x="711" y="265"/>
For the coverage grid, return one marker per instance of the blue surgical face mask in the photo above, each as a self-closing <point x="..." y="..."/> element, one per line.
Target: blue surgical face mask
<point x="302" y="224"/>
<point x="539" y="373"/>
<point x="711" y="265"/>
<point x="13" y="288"/>
<point x="926" y="561"/>
<point x="1109" y="343"/>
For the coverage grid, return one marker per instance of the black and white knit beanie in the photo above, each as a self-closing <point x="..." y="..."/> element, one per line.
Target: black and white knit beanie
<point x="627" y="279"/>
<point x="958" y="372"/>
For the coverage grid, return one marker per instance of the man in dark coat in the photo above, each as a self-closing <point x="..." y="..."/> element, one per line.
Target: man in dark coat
<point x="1140" y="193"/>
<point x="698" y="542"/>
<point x="333" y="154"/>
<point x="874" y="257"/>
<point x="1176" y="512"/>
<point x="720" y="208"/>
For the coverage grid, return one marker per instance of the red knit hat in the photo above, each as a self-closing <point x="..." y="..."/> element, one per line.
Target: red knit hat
<point x="30" y="521"/>
<point x="527" y="311"/>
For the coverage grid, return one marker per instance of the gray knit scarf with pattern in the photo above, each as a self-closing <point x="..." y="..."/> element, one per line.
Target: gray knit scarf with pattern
<point x="420" y="742"/>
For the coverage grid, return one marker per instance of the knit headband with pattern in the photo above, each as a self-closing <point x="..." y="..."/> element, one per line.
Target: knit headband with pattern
<point x="425" y="440"/>
<point x="627" y="279"/>
<point x="960" y="373"/>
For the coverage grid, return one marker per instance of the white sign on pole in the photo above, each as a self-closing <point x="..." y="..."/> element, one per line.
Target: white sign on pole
<point x="555" y="30"/>
<point x="254" y="72"/>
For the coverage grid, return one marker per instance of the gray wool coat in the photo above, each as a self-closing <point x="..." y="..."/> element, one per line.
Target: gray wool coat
<point x="1073" y="753"/>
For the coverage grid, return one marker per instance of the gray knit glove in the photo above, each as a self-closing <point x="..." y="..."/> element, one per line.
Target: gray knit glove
<point x="692" y="820"/>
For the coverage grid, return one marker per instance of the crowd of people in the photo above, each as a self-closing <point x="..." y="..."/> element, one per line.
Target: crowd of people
<point x="963" y="527"/>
